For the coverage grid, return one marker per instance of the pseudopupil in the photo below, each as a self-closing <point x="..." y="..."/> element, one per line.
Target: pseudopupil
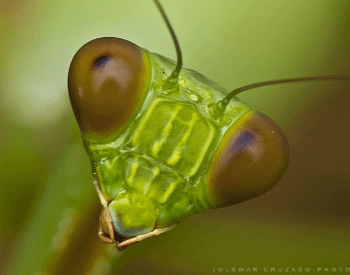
<point x="101" y="61"/>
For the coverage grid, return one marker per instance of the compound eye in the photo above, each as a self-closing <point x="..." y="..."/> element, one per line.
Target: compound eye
<point x="251" y="158"/>
<point x="108" y="80"/>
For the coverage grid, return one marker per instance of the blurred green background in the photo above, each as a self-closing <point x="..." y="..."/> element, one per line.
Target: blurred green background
<point x="48" y="206"/>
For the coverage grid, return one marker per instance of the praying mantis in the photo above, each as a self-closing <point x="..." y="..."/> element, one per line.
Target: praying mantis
<point x="200" y="68"/>
<point x="164" y="141"/>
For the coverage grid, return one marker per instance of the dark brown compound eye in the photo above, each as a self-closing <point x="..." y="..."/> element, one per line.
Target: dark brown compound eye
<point x="250" y="160"/>
<point x="108" y="80"/>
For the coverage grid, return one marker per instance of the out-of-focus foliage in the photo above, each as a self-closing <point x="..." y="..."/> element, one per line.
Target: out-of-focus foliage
<point x="48" y="207"/>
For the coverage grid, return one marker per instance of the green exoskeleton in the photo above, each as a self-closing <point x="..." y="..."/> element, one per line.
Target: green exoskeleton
<point x="165" y="142"/>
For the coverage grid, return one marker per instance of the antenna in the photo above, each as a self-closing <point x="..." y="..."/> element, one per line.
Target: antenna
<point x="226" y="100"/>
<point x="171" y="83"/>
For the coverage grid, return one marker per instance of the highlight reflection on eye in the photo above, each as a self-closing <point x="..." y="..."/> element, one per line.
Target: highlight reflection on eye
<point x="101" y="61"/>
<point x="243" y="141"/>
<point x="247" y="142"/>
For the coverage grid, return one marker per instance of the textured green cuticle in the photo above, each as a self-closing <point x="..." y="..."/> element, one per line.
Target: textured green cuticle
<point x="153" y="174"/>
<point x="182" y="136"/>
<point x="111" y="183"/>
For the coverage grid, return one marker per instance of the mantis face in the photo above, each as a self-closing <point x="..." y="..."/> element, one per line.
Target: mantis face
<point x="159" y="155"/>
<point x="164" y="141"/>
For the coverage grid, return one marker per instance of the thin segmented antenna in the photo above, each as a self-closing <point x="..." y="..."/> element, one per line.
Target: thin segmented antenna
<point x="226" y="100"/>
<point x="174" y="77"/>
